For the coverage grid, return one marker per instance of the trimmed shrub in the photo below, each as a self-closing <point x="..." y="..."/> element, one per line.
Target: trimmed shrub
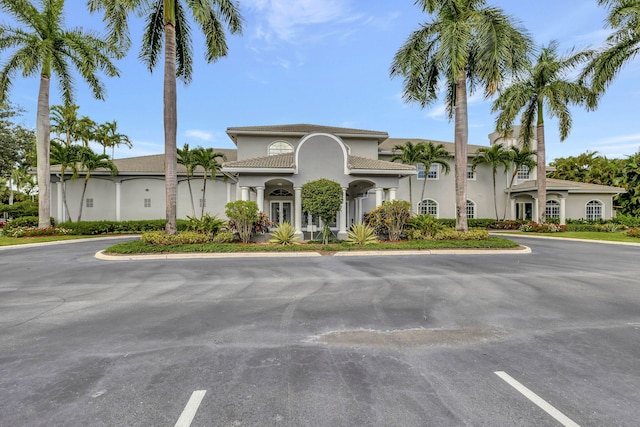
<point x="209" y="225"/>
<point x="90" y="228"/>
<point x="361" y="234"/>
<point x="423" y="226"/>
<point x="534" y="227"/>
<point x="452" y="234"/>
<point x="243" y="215"/>
<point x="20" y="209"/>
<point x="37" y="232"/>
<point x="390" y="218"/>
<point x="25" y="221"/>
<point x="225" y="236"/>
<point x="633" y="232"/>
<point x="164" y="239"/>
<point x="284" y="234"/>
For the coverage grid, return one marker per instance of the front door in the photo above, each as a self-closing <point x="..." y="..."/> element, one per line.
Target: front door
<point x="524" y="211"/>
<point x="281" y="212"/>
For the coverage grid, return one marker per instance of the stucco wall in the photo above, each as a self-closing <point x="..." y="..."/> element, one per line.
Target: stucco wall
<point x="576" y="205"/>
<point x="133" y="193"/>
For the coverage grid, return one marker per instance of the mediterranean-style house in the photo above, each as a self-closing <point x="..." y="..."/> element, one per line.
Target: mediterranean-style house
<point x="271" y="163"/>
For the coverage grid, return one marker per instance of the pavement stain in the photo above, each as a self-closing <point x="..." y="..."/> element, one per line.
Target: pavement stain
<point x="410" y="337"/>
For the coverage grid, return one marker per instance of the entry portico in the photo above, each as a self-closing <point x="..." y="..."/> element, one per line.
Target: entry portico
<point x="275" y="181"/>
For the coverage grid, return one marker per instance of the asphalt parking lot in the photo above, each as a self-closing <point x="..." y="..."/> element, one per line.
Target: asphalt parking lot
<point x="542" y="339"/>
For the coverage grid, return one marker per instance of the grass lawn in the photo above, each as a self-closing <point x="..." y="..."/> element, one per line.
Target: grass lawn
<point x="12" y="241"/>
<point x="137" y="247"/>
<point x="590" y="235"/>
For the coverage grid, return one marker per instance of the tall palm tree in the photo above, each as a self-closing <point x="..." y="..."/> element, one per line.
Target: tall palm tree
<point x="89" y="163"/>
<point x="621" y="47"/>
<point x="67" y="156"/>
<point x="207" y="158"/>
<point x="169" y="18"/>
<point x="106" y="134"/>
<point x="494" y="156"/>
<point x="186" y="157"/>
<point x="409" y="154"/>
<point x="64" y="121"/>
<point x="518" y="158"/>
<point x="41" y="46"/>
<point x="467" y="44"/>
<point x="545" y="89"/>
<point x="433" y="154"/>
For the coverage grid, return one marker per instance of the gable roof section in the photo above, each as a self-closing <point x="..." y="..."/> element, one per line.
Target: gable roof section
<point x="304" y="129"/>
<point x="286" y="163"/>
<point x="386" y="147"/>
<point x="571" y="186"/>
<point x="148" y="165"/>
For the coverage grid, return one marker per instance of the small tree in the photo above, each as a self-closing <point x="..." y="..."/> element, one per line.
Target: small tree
<point x="390" y="218"/>
<point x="242" y="215"/>
<point x="322" y="198"/>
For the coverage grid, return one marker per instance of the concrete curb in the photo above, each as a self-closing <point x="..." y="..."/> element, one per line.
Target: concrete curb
<point x="230" y="255"/>
<point x="569" y="239"/>
<point x="66" y="242"/>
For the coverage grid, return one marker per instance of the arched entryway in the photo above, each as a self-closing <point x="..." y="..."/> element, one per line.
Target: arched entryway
<point x="279" y="201"/>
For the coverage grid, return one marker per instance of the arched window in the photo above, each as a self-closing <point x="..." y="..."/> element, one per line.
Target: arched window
<point x="471" y="209"/>
<point x="428" y="206"/>
<point x="280" y="192"/>
<point x="280" y="147"/>
<point x="553" y="209"/>
<point x="594" y="210"/>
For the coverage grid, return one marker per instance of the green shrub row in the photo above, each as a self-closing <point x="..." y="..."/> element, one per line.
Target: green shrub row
<point x="159" y="237"/>
<point x="19" y="209"/>
<point x="89" y="228"/>
<point x="25" y="221"/>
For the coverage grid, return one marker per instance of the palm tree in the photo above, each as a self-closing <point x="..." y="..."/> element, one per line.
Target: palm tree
<point x="621" y="46"/>
<point x="186" y="158"/>
<point x="433" y="154"/>
<point x="91" y="162"/>
<point x="467" y="43"/>
<point x="494" y="156"/>
<point x="208" y="159"/>
<point x="67" y="156"/>
<point x="169" y="18"/>
<point x="518" y="158"/>
<point x="545" y="87"/>
<point x="43" y="47"/>
<point x="409" y="154"/>
<point x="64" y="121"/>
<point x="107" y="135"/>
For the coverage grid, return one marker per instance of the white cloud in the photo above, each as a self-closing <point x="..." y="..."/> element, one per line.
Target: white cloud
<point x="199" y="134"/>
<point x="438" y="113"/>
<point x="286" y="18"/>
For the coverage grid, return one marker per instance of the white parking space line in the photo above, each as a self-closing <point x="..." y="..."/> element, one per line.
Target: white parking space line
<point x="542" y="404"/>
<point x="190" y="410"/>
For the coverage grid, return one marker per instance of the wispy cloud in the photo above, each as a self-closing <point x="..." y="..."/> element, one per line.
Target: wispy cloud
<point x="199" y="134"/>
<point x="617" y="146"/>
<point x="285" y="19"/>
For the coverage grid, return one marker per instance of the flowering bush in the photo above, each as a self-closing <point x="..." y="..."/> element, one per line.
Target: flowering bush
<point x="37" y="232"/>
<point x="549" y="227"/>
<point x="633" y="232"/>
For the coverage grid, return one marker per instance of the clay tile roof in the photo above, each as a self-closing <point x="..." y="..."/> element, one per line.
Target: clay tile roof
<point x="388" y="144"/>
<point x="573" y="186"/>
<point x="304" y="129"/>
<point x="278" y="161"/>
<point x="356" y="162"/>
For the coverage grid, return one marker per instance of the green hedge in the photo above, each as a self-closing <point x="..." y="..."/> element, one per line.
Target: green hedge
<point x="88" y="228"/>
<point x="483" y="223"/>
<point x="20" y="209"/>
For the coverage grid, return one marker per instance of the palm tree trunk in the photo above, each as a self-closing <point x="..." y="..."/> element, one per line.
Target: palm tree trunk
<point x="64" y="195"/>
<point x="204" y="194"/>
<point x="170" y="127"/>
<point x="424" y="184"/>
<point x="506" y="204"/>
<point x="42" y="152"/>
<point x="193" y="207"/>
<point x="460" y="140"/>
<point x="495" y="197"/>
<point x="84" y="189"/>
<point x="541" y="169"/>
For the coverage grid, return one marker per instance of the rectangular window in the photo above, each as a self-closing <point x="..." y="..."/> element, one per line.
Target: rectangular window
<point x="203" y="203"/>
<point x="147" y="203"/>
<point x="433" y="172"/>
<point x="421" y="172"/>
<point x="471" y="174"/>
<point x="523" y="173"/>
<point x="89" y="203"/>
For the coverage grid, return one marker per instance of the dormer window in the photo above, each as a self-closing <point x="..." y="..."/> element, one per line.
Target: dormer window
<point x="280" y="147"/>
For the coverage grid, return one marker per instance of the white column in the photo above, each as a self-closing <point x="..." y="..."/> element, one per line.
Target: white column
<point x="228" y="192"/>
<point x="358" y="210"/>
<point x="392" y="193"/>
<point x="379" y="193"/>
<point x="244" y="193"/>
<point x="512" y="202"/>
<point x="118" y="201"/>
<point x="342" y="232"/>
<point x="563" y="212"/>
<point x="260" y="198"/>
<point x="297" y="214"/>
<point x="535" y="214"/>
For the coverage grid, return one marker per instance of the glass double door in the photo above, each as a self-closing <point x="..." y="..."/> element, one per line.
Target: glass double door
<point x="281" y="211"/>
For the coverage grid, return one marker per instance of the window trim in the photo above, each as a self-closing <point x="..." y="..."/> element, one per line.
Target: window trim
<point x="279" y="151"/>
<point x="426" y="210"/>
<point x="147" y="202"/>
<point x="520" y="173"/>
<point x="599" y="203"/>
<point x="89" y="202"/>
<point x="555" y="205"/>
<point x="474" y="205"/>
<point x="473" y="172"/>
<point x="433" y="168"/>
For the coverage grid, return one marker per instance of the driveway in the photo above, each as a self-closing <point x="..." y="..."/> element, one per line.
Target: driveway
<point x="542" y="339"/>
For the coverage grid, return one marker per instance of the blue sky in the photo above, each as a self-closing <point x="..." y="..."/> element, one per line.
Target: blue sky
<point x="327" y="62"/>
